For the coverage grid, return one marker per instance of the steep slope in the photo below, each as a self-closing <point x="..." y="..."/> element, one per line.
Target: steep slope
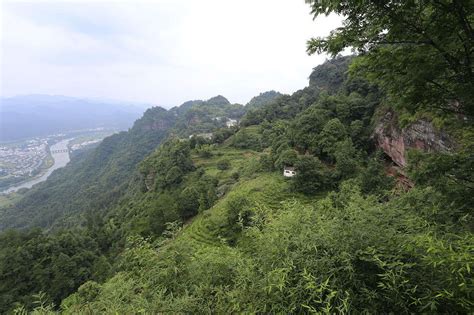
<point x="93" y="181"/>
<point x="97" y="180"/>
<point x="260" y="249"/>
<point x="212" y="226"/>
<point x="309" y="243"/>
<point x="420" y="134"/>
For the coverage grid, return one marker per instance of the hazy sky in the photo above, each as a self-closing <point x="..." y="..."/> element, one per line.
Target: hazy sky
<point x="161" y="52"/>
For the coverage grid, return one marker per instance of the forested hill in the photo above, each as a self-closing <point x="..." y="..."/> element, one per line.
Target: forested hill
<point x="97" y="180"/>
<point x="188" y="214"/>
<point x="90" y="182"/>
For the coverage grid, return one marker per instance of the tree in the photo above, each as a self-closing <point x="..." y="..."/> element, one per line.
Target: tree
<point x="246" y="139"/>
<point x="449" y="173"/>
<point x="173" y="177"/>
<point x="306" y="127"/>
<point x="238" y="216"/>
<point x="346" y="159"/>
<point x="311" y="175"/>
<point x="168" y="164"/>
<point x="420" y="51"/>
<point x="286" y="158"/>
<point x="32" y="262"/>
<point x="223" y="164"/>
<point x="222" y="134"/>
<point x="189" y="201"/>
<point x="333" y="132"/>
<point x="373" y="178"/>
<point x="266" y="163"/>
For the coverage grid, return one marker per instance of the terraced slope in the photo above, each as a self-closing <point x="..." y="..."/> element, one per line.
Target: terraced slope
<point x="266" y="192"/>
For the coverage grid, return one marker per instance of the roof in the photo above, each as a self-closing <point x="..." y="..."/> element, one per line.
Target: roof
<point x="289" y="168"/>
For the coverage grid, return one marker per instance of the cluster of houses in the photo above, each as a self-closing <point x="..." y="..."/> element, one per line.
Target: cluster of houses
<point x="24" y="159"/>
<point x="208" y="135"/>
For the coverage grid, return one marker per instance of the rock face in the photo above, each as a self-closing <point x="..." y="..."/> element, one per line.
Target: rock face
<point x="150" y="180"/>
<point x="395" y="141"/>
<point x="159" y="124"/>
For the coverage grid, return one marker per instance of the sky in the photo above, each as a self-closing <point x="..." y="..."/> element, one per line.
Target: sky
<point x="161" y="52"/>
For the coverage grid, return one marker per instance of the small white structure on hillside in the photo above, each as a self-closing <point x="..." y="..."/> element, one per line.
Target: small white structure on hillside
<point x="231" y="123"/>
<point x="207" y="136"/>
<point x="289" y="171"/>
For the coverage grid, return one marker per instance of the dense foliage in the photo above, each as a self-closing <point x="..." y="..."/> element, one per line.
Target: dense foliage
<point x="31" y="262"/>
<point x="262" y="99"/>
<point x="421" y="52"/>
<point x="328" y="256"/>
<point x="196" y="117"/>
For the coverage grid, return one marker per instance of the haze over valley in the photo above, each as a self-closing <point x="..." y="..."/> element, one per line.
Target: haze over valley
<point x="29" y="116"/>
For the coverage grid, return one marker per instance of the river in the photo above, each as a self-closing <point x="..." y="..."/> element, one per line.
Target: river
<point x="60" y="160"/>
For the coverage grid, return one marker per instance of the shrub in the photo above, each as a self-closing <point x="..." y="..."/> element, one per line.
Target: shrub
<point x="223" y="164"/>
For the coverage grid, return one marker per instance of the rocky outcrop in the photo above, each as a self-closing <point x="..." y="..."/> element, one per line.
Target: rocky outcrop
<point x="159" y="124"/>
<point x="150" y="180"/>
<point x="395" y="141"/>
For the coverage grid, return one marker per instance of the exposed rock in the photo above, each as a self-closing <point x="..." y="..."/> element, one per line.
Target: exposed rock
<point x="395" y="141"/>
<point x="156" y="125"/>
<point x="402" y="181"/>
<point x="150" y="180"/>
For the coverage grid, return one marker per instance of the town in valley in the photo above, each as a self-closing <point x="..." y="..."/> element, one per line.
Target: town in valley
<point x="21" y="161"/>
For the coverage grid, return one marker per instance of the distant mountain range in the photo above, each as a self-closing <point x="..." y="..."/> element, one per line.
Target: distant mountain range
<point x="28" y="116"/>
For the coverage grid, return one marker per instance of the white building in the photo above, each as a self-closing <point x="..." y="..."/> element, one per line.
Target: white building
<point x="231" y="123"/>
<point x="207" y="136"/>
<point x="289" y="171"/>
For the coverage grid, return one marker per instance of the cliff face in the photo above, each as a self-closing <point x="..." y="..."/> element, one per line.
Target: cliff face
<point x="395" y="141"/>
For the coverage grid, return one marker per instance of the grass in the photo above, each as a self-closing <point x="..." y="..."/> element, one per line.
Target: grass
<point x="9" y="200"/>
<point x="268" y="190"/>
<point x="205" y="230"/>
<point x="239" y="159"/>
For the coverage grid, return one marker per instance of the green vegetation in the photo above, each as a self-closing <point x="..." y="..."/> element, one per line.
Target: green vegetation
<point x="325" y="255"/>
<point x="9" y="200"/>
<point x="93" y="182"/>
<point x="164" y="223"/>
<point x="55" y="265"/>
<point x="195" y="117"/>
<point x="90" y="136"/>
<point x="262" y="100"/>
<point x="432" y="41"/>
<point x="8" y="181"/>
